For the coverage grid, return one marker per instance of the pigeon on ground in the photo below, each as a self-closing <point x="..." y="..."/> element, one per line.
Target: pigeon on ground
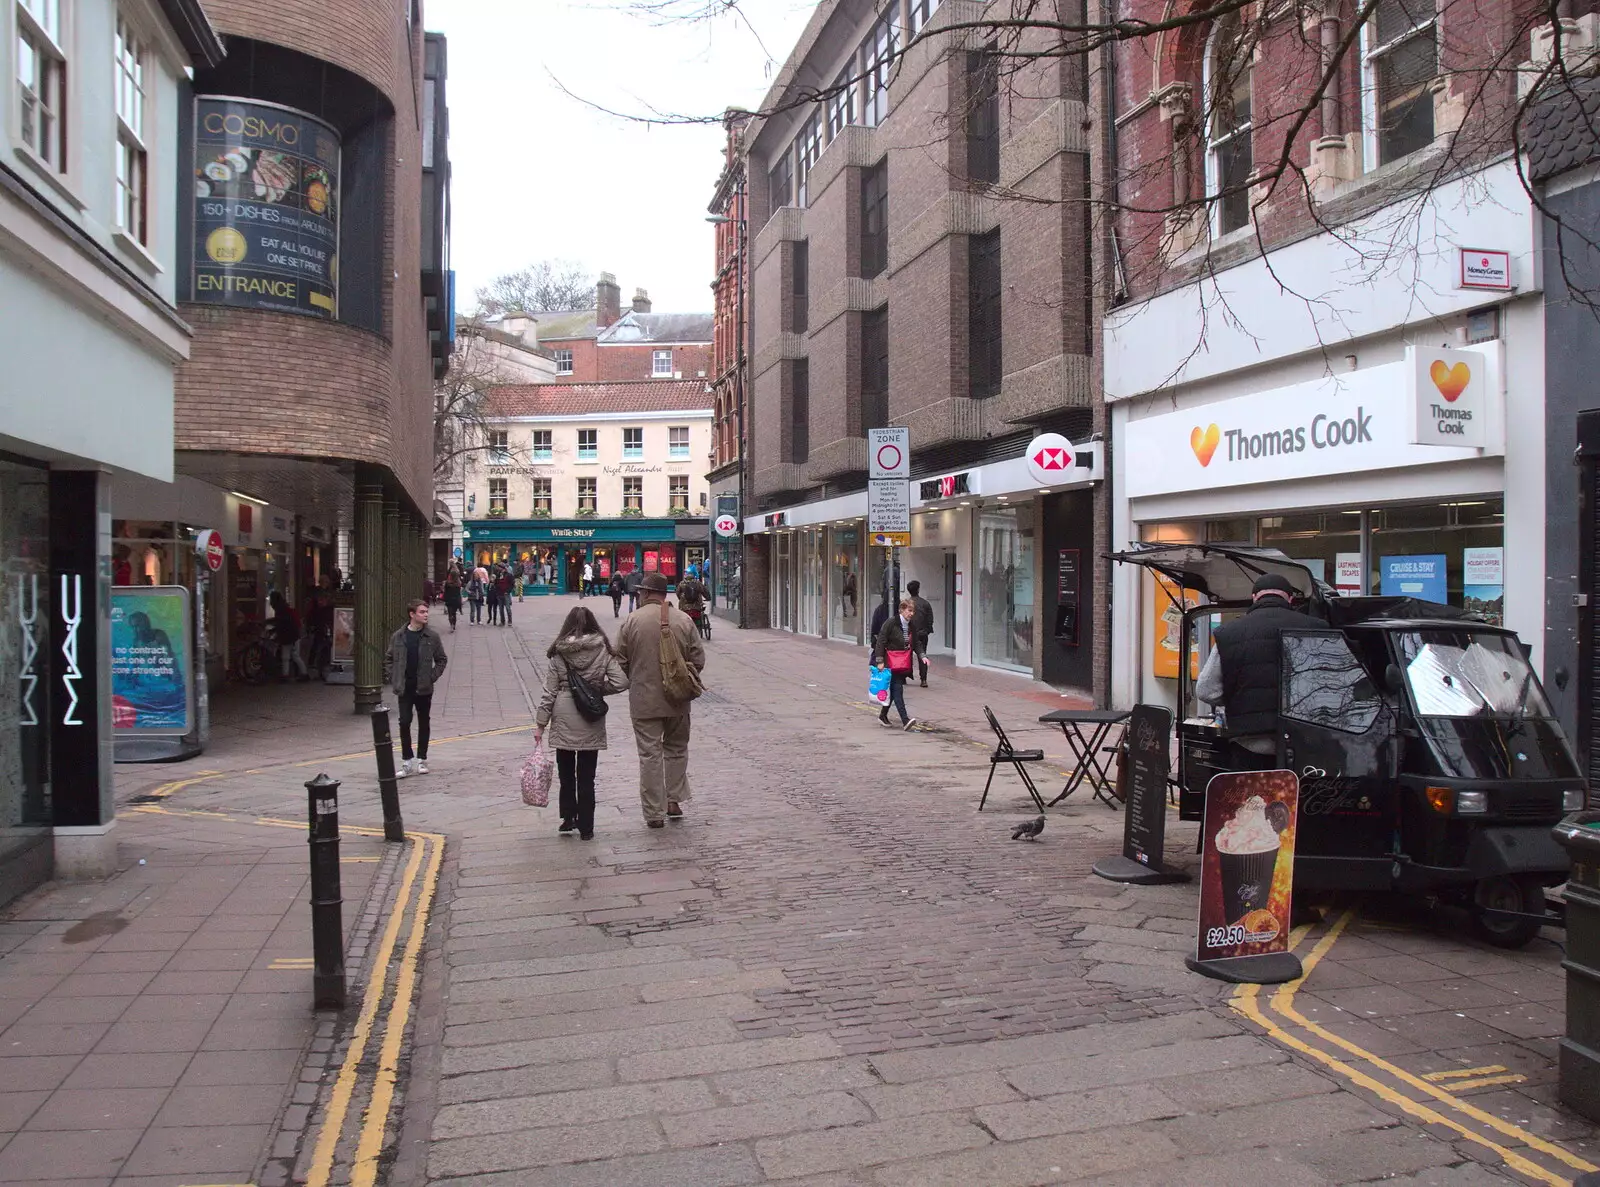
<point x="1029" y="828"/>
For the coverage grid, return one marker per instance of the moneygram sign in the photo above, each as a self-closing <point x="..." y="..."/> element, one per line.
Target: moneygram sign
<point x="1355" y="422"/>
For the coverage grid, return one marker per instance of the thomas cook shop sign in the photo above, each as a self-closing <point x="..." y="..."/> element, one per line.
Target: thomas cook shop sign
<point x="266" y="224"/>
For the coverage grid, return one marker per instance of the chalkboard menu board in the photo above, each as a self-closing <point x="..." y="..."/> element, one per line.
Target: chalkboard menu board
<point x="1149" y="741"/>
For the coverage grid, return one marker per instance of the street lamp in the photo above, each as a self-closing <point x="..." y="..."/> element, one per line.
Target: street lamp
<point x="738" y="355"/>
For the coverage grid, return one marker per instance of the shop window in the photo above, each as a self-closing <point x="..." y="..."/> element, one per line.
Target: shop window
<point x="632" y="444"/>
<point x="844" y="584"/>
<point x="588" y="445"/>
<point x="633" y="494"/>
<point x="983" y="115"/>
<point x="1400" y="60"/>
<point x="875" y="219"/>
<point x="588" y="495"/>
<point x="984" y="367"/>
<point x="875" y="369"/>
<point x="678" y="443"/>
<point x="541" y="496"/>
<point x="1229" y="154"/>
<point x="543" y="447"/>
<point x="1003" y="608"/>
<point x="1230" y="531"/>
<point x="678" y="492"/>
<point x="499" y="448"/>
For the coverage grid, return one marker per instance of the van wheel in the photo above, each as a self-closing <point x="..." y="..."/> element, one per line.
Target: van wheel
<point x="1508" y="893"/>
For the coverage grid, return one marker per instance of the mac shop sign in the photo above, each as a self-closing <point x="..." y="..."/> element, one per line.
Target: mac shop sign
<point x="1439" y="405"/>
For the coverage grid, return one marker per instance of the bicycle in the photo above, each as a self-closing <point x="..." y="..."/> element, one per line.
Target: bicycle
<point x="257" y="655"/>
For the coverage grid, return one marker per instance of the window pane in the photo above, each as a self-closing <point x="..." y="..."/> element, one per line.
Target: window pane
<point x="1404" y="78"/>
<point x="1234" y="161"/>
<point x="1396" y="18"/>
<point x="1325" y="684"/>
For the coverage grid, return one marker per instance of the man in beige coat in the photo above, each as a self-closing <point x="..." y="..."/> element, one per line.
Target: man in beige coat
<point x="660" y="726"/>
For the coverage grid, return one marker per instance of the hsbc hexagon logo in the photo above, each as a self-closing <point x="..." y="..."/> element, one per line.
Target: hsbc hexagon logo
<point x="1052" y="459"/>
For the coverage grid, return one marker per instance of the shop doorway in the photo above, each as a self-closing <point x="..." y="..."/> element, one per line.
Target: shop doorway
<point x="948" y="623"/>
<point x="574" y="567"/>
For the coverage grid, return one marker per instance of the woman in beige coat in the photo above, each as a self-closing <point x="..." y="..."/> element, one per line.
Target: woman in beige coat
<point x="581" y="647"/>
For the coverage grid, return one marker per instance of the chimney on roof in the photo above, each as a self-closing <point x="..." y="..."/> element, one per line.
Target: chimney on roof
<point x="641" y="301"/>
<point x="607" y="301"/>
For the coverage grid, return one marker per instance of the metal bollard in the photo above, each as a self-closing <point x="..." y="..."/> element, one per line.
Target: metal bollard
<point x="327" y="923"/>
<point x="394" y="829"/>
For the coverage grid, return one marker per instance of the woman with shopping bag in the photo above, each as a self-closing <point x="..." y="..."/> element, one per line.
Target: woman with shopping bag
<point x="892" y="649"/>
<point x="582" y="671"/>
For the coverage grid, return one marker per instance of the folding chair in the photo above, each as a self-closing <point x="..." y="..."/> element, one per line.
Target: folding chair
<point x="1005" y="752"/>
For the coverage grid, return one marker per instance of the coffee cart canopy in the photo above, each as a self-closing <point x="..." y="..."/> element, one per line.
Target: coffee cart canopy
<point x="1223" y="573"/>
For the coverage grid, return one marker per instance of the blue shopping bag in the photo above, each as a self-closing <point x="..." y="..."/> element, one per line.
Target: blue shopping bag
<point x="878" y="686"/>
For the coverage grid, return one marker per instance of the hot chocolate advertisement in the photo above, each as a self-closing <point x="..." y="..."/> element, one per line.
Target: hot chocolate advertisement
<point x="1247" y="868"/>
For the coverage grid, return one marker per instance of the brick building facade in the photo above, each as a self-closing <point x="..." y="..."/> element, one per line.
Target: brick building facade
<point x="729" y="212"/>
<point x="607" y="343"/>
<point x="920" y="256"/>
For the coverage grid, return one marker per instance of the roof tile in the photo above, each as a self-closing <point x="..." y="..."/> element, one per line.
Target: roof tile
<point x="579" y="399"/>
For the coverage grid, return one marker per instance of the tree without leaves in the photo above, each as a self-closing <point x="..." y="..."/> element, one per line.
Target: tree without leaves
<point x="539" y="288"/>
<point x="461" y="403"/>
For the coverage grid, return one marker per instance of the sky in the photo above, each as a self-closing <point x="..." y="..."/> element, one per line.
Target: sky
<point x="539" y="174"/>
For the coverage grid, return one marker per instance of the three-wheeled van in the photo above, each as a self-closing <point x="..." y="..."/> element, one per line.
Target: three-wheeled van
<point x="1429" y="759"/>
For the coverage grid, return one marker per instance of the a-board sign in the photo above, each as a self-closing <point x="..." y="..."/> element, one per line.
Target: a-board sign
<point x="1247" y="877"/>
<point x="1149" y="741"/>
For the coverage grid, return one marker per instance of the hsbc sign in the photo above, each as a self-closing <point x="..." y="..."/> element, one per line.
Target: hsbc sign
<point x="1053" y="460"/>
<point x="947" y="486"/>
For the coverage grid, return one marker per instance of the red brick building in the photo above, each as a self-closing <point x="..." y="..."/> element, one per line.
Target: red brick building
<point x="730" y="289"/>
<point x="919" y="257"/>
<point x="607" y="343"/>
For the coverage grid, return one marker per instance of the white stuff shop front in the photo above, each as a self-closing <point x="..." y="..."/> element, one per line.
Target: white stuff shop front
<point x="1389" y="479"/>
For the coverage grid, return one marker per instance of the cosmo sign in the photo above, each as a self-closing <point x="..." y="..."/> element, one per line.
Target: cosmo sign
<point x="1377" y="419"/>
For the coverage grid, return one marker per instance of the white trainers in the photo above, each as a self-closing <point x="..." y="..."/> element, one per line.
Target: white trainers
<point x="422" y="767"/>
<point x="908" y="725"/>
<point x="405" y="768"/>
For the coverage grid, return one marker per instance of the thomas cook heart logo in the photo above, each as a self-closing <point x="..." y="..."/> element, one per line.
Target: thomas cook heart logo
<point x="1451" y="381"/>
<point x="1204" y="442"/>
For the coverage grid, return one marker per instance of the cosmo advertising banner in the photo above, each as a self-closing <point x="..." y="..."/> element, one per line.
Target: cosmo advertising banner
<point x="266" y="223"/>
<point x="151" y="670"/>
<point x="1247" y="863"/>
<point x="1350" y="423"/>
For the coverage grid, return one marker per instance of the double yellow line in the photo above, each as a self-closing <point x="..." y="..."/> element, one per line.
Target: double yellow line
<point x="1486" y="1127"/>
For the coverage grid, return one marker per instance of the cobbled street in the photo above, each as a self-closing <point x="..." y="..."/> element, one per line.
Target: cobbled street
<point x="835" y="971"/>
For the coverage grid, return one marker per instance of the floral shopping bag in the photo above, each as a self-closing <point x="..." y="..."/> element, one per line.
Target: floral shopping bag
<point x="537" y="774"/>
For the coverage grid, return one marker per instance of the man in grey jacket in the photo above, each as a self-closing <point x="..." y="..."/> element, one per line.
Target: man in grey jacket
<point x="660" y="724"/>
<point x="412" y="666"/>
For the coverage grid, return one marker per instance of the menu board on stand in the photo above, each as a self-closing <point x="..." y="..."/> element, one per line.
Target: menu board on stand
<point x="1146" y="765"/>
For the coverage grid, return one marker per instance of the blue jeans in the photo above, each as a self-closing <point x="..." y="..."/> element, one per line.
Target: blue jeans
<point x="897" y="697"/>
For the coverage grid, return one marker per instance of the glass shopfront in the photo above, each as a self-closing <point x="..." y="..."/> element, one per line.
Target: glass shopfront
<point x="844" y="584"/>
<point x="25" y="659"/>
<point x="812" y="598"/>
<point x="726" y="573"/>
<point x="783" y="577"/>
<point x="1003" y="550"/>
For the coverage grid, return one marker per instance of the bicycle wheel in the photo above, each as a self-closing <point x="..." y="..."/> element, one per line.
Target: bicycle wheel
<point x="253" y="665"/>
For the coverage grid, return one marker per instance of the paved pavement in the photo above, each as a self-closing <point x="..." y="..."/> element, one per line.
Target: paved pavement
<point x="836" y="972"/>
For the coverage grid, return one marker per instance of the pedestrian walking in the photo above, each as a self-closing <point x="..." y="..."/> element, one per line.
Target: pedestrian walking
<point x="505" y="587"/>
<point x="588" y="581"/>
<point x="880" y="615"/>
<point x="319" y="627"/>
<point x="582" y="649"/>
<point x="660" y="720"/>
<point x="891" y="648"/>
<point x="411" y="667"/>
<point x="477" y="590"/>
<point x="452" y="595"/>
<point x="491" y="595"/>
<point x="286" y="634"/>
<point x="631" y="583"/>
<point x="921" y="627"/>
<point x="520" y="576"/>
<point x="616" y="589"/>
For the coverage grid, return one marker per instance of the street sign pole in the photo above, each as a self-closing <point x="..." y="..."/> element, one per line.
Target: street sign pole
<point x="889" y="499"/>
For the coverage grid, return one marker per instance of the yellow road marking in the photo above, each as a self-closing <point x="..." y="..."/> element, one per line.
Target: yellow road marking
<point x="345" y="860"/>
<point x="1245" y="1002"/>
<point x="1464" y="1072"/>
<point x="1460" y="1085"/>
<point x="344" y="1086"/>
<point x="364" y="1172"/>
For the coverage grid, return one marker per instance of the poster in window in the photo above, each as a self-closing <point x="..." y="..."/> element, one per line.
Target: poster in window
<point x="266" y="225"/>
<point x="1483" y="583"/>
<point x="151" y="669"/>
<point x="1168" y="619"/>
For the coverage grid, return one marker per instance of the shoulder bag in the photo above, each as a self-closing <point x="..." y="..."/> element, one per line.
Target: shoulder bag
<point x="679" y="681"/>
<point x="591" y="705"/>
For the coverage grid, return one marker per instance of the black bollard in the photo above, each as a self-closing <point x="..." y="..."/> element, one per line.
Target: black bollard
<point x="394" y="829"/>
<point x="327" y="923"/>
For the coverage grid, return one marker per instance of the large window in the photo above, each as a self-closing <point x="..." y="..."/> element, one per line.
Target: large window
<point x="497" y="496"/>
<point x="541" y="496"/>
<point x="800" y="410"/>
<point x="678" y="492"/>
<point x="1003" y="630"/>
<point x="877" y="64"/>
<point x="875" y="369"/>
<point x="589" y="495"/>
<point x="807" y="148"/>
<point x="678" y="442"/>
<point x="42" y="80"/>
<point x="563" y="361"/>
<point x="983" y="115"/>
<point x="799" y="286"/>
<point x="661" y="364"/>
<point x="1229" y="156"/>
<point x="984" y="366"/>
<point x="543" y="447"/>
<point x="921" y="10"/>
<point x="632" y="444"/>
<point x="842" y="103"/>
<point x="780" y="180"/>
<point x="875" y="219"/>
<point x="1401" y="59"/>
<point x="588" y="445"/>
<point x="499" y="447"/>
<point x="132" y="159"/>
<point x="844" y="584"/>
<point x="633" y="494"/>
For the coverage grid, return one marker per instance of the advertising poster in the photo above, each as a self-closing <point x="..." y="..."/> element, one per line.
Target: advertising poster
<point x="344" y="634"/>
<point x="1247" y="864"/>
<point x="1414" y="577"/>
<point x="266" y="222"/>
<point x="151" y="652"/>
<point x="1483" y="583"/>
<point x="1169" y="629"/>
<point x="1347" y="573"/>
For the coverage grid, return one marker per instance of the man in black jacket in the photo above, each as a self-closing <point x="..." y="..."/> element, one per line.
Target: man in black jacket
<point x="1245" y="669"/>
<point x="921" y="627"/>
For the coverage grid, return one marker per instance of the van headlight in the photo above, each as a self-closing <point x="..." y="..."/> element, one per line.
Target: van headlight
<point x="1472" y="803"/>
<point x="1574" y="799"/>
